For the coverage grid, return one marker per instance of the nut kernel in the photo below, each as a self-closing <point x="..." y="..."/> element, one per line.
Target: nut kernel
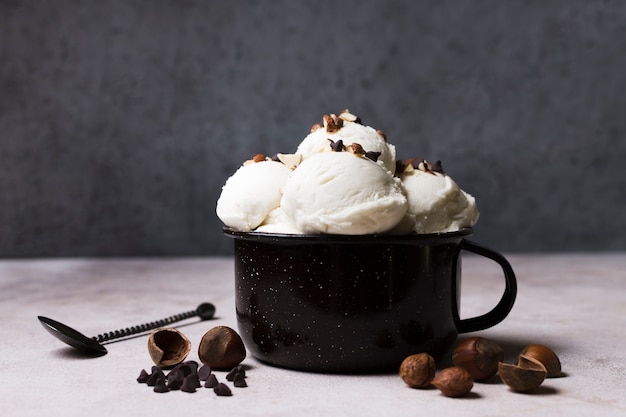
<point x="418" y="370"/>
<point x="453" y="381"/>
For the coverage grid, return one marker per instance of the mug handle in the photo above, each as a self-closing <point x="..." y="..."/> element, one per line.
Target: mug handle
<point x="504" y="306"/>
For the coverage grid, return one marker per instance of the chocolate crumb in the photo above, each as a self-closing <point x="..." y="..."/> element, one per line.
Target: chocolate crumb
<point x="316" y="126"/>
<point x="381" y="133"/>
<point x="222" y="390"/>
<point x="204" y="372"/>
<point x="336" y="146"/>
<point x="143" y="377"/>
<point x="258" y="157"/>
<point x="239" y="381"/>
<point x="211" y="382"/>
<point x="160" y="386"/>
<point x="372" y="155"/>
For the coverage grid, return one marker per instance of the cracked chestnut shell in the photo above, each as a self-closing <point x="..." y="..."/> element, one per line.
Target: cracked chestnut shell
<point x="479" y="356"/>
<point x="546" y="356"/>
<point x="524" y="376"/>
<point x="221" y="348"/>
<point x="168" y="347"/>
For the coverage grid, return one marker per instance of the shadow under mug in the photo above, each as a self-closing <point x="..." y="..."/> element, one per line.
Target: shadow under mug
<point x="347" y="304"/>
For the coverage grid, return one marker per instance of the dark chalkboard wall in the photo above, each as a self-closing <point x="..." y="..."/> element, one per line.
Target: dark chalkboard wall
<point x="121" y="120"/>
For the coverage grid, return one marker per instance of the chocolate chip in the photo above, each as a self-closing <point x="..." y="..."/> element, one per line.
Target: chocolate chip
<point x="186" y="370"/>
<point x="437" y="167"/>
<point x="222" y="390"/>
<point x="204" y="372"/>
<point x="336" y="146"/>
<point x="175" y="373"/>
<point x="175" y="378"/>
<point x="143" y="377"/>
<point x="175" y="383"/>
<point x="231" y="375"/>
<point x="211" y="382"/>
<point x="193" y="365"/>
<point x="239" y="381"/>
<point x="372" y="155"/>
<point x="236" y="370"/>
<point x="160" y="386"/>
<point x="190" y="384"/>
<point x="157" y="374"/>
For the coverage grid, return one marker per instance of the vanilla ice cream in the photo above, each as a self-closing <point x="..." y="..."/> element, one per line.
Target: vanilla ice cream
<point x="251" y="193"/>
<point x="343" y="193"/>
<point x="344" y="179"/>
<point x="436" y="203"/>
<point x="349" y="130"/>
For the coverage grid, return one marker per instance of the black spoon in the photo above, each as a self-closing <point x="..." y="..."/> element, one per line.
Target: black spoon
<point x="92" y="345"/>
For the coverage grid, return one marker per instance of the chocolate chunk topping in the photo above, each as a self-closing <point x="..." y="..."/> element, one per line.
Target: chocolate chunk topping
<point x="399" y="167"/>
<point x="437" y="167"/>
<point x="332" y="123"/>
<point x="357" y="149"/>
<point x="336" y="146"/>
<point x="372" y="155"/>
<point x="222" y="390"/>
<point x="381" y="133"/>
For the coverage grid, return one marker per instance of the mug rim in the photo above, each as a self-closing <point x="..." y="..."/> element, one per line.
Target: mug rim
<point x="336" y="238"/>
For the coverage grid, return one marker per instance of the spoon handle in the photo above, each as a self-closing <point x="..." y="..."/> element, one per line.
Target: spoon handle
<point x="205" y="311"/>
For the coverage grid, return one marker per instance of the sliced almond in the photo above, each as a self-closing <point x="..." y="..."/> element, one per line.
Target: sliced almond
<point x="291" y="160"/>
<point x="347" y="116"/>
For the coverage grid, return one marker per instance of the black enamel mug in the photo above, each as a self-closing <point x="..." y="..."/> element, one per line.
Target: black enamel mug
<point x="345" y="304"/>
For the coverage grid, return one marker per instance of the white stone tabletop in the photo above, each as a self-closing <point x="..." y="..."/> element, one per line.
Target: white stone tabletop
<point x="573" y="303"/>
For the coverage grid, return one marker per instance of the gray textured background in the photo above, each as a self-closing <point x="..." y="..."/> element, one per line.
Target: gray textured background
<point x="120" y="120"/>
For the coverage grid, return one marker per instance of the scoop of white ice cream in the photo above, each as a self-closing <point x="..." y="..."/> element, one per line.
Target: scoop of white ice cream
<point x="278" y="222"/>
<point x="350" y="132"/>
<point x="436" y="204"/>
<point x="251" y="193"/>
<point x="343" y="193"/>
